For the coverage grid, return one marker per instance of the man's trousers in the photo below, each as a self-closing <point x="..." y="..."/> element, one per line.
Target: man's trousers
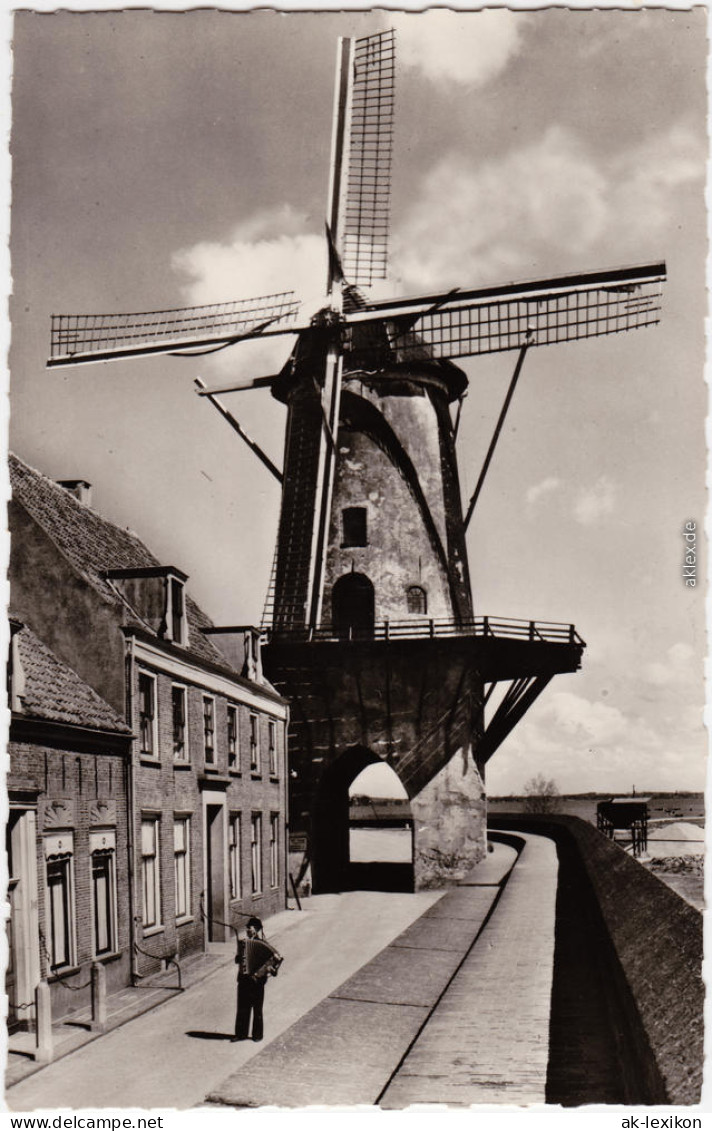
<point x="250" y="998"/>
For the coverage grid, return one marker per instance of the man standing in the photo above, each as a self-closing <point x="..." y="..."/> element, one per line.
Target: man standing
<point x="256" y="960"/>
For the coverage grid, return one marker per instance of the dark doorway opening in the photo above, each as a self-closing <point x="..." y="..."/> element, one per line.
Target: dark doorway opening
<point x="216" y="909"/>
<point x="353" y="605"/>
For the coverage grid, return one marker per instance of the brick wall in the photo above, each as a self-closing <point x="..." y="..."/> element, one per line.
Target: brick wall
<point x="80" y="793"/>
<point x="167" y="787"/>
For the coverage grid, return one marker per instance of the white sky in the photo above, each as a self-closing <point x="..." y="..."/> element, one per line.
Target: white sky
<point x="162" y="159"/>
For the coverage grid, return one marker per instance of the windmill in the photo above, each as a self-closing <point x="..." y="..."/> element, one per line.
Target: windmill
<point x="370" y="629"/>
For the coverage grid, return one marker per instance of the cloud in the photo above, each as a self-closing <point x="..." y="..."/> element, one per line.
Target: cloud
<point x="270" y="253"/>
<point x="595" y="502"/>
<point x="454" y="48"/>
<point x="678" y="668"/>
<point x="551" y="198"/>
<point x="544" y="488"/>
<point x="586" y="744"/>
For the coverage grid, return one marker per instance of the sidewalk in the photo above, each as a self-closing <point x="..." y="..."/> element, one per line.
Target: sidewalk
<point x="73" y="1032"/>
<point x="171" y="1056"/>
<point x="455" y="1010"/>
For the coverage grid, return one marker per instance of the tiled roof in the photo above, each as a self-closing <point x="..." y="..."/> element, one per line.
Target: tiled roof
<point x="93" y="545"/>
<point x="53" y="691"/>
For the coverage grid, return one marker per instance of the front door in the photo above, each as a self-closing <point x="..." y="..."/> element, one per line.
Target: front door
<point x="353" y="605"/>
<point x="23" y="961"/>
<point x="216" y="908"/>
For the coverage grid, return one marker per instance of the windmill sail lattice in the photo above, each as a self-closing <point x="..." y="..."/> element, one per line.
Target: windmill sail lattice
<point x="546" y="312"/>
<point x="363" y="238"/>
<point x="101" y="337"/>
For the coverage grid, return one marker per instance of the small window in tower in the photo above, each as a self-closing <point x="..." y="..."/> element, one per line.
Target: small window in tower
<point x="417" y="599"/>
<point x="355" y="531"/>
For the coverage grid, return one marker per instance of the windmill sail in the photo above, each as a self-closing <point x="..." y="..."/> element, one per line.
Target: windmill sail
<point x="491" y="320"/>
<point x="101" y="337"/>
<point x="359" y="193"/>
<point x="361" y="230"/>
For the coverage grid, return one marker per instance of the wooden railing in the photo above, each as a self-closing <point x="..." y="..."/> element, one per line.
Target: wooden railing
<point x="550" y="632"/>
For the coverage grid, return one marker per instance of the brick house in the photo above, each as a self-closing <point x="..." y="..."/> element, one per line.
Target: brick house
<point x="207" y="775"/>
<point x="66" y="834"/>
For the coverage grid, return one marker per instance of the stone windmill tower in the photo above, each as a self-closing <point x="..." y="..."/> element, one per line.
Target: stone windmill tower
<point x="369" y="628"/>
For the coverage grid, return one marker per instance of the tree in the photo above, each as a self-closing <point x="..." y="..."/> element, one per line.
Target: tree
<point x="541" y="795"/>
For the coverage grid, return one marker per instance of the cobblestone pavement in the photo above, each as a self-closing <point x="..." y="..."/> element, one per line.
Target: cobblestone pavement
<point x="432" y="1018"/>
<point x="487" y="1041"/>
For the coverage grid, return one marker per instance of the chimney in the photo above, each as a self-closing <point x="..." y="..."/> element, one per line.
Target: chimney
<point x="79" y="488"/>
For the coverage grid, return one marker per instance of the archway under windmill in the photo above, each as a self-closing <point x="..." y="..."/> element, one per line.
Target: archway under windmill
<point x="363" y="827"/>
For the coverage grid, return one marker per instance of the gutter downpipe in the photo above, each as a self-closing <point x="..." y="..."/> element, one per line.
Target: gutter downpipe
<point x="130" y="795"/>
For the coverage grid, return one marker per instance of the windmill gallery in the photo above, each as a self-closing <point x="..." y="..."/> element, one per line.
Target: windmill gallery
<point x="370" y="650"/>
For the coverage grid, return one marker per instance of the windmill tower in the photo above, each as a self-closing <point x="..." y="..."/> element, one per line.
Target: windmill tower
<point x="371" y="631"/>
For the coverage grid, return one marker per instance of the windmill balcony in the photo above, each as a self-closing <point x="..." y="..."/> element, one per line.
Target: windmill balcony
<point x="505" y="628"/>
<point x="500" y="648"/>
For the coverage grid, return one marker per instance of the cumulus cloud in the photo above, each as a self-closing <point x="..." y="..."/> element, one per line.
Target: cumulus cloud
<point x="544" y="488"/>
<point x="586" y="744"/>
<point x="270" y="253"/>
<point x="595" y="502"/>
<point x="487" y="220"/>
<point x="456" y="48"/>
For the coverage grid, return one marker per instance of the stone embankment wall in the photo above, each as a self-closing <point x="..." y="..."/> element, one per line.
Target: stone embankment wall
<point x="656" y="942"/>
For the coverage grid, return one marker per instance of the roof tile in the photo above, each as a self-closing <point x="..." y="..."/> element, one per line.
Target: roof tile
<point x="93" y="545"/>
<point x="53" y="691"/>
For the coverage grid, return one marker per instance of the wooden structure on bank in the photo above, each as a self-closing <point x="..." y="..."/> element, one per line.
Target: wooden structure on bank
<point x="627" y="816"/>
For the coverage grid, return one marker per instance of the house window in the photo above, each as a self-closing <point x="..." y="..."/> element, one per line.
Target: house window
<point x="147" y="714"/>
<point x="177" y="611"/>
<point x="274" y="849"/>
<point x="355" y="531"/>
<point x="150" y="873"/>
<point x="256" y="852"/>
<point x="209" y="729"/>
<point x="102" y="847"/>
<point x="417" y="599"/>
<point x="233" y="753"/>
<point x="181" y="864"/>
<point x="272" y="729"/>
<point x="235" y="847"/>
<point x="254" y="744"/>
<point x="180" y="749"/>
<point x="60" y="901"/>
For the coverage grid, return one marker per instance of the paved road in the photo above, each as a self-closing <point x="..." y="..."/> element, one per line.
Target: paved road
<point x="175" y="1055"/>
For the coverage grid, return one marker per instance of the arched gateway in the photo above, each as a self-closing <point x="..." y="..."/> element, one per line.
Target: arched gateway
<point x="333" y="868"/>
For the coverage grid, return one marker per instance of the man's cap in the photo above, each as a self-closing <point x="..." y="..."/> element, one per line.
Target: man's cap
<point x="254" y="922"/>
